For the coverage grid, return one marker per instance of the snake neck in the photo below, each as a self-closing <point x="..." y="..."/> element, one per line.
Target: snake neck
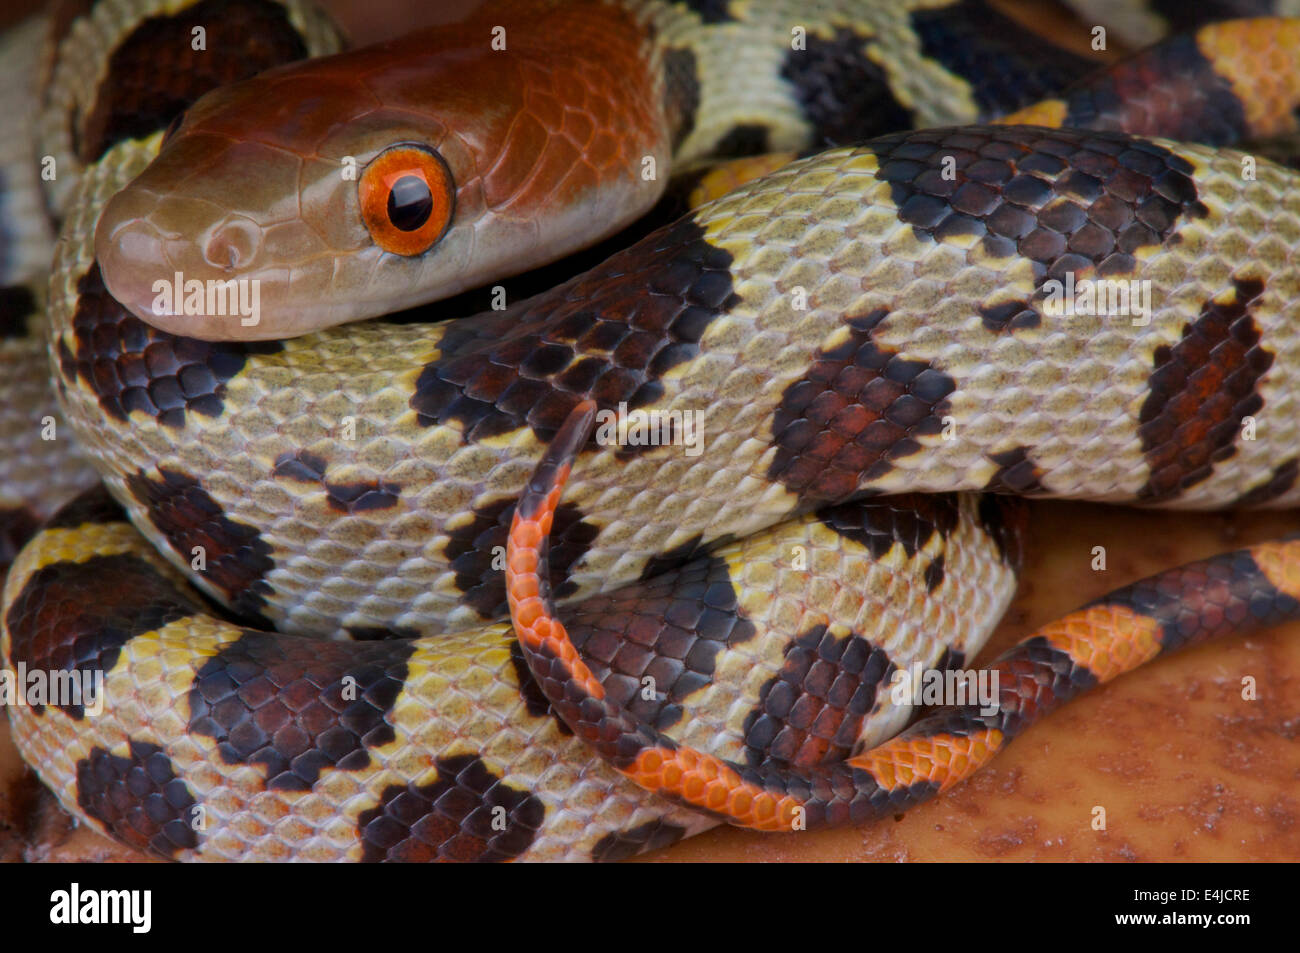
<point x="743" y="79"/>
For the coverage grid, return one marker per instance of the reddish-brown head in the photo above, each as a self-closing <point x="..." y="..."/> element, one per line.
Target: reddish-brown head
<point x="353" y="185"/>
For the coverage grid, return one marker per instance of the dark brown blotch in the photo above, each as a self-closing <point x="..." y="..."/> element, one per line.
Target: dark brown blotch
<point x="742" y="140"/>
<point x="858" y="408"/>
<point x="811" y="713"/>
<point x="76" y="616"/>
<point x="95" y="506"/>
<point x="844" y="94"/>
<point x="17" y="304"/>
<point x="130" y="366"/>
<point x="1222" y="595"/>
<point x="1279" y="483"/>
<point x="681" y="93"/>
<point x="1200" y="391"/>
<point x="934" y="573"/>
<point x="1009" y="317"/>
<point x="468" y="814"/>
<point x="237" y="559"/>
<point x="297" y="706"/>
<point x="610" y="334"/>
<point x="18" y="524"/>
<point x="136" y="104"/>
<point x="300" y="466"/>
<point x="473" y="546"/>
<point x="909" y="520"/>
<point x="1066" y="200"/>
<point x="303" y="466"/>
<point x="535" y="702"/>
<point x="1007" y="65"/>
<point x="711" y="11"/>
<point x="1033" y="679"/>
<point x="951" y="660"/>
<point x="670" y="629"/>
<point x="1170" y="90"/>
<point x="1016" y="473"/>
<point x="139" y="798"/>
<point x="362" y="497"/>
<point x="1004" y="520"/>
<point x="375" y="633"/>
<point x="652" y="835"/>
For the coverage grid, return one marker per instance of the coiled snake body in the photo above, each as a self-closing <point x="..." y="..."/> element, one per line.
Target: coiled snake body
<point x="864" y="322"/>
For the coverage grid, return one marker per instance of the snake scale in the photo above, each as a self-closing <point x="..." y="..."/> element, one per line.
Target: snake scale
<point x="553" y="645"/>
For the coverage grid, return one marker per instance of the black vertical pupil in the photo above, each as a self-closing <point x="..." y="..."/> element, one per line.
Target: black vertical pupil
<point x="409" y="203"/>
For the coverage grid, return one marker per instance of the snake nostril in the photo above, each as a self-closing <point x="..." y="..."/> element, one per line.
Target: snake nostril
<point x="233" y="245"/>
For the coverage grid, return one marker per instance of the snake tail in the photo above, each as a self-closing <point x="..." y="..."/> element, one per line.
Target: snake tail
<point x="1232" y="593"/>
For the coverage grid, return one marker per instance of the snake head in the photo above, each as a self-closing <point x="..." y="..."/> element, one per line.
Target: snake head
<point x="354" y="185"/>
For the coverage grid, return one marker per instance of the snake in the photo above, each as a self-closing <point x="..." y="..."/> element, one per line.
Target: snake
<point x="384" y="590"/>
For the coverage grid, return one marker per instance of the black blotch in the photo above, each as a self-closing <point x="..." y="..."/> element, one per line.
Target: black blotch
<point x="669" y="628"/>
<point x="361" y="497"/>
<point x="1004" y="520"/>
<point x="844" y="95"/>
<point x="135" y="104"/>
<point x="811" y="712"/>
<point x="297" y="706"/>
<point x="305" y="467"/>
<point x="681" y="93"/>
<point x="1067" y="200"/>
<point x="1010" y="316"/>
<point x="1054" y="676"/>
<point x="237" y="558"/>
<point x="75" y="617"/>
<point x="95" y="506"/>
<point x="130" y="366"/>
<point x="138" y="798"/>
<point x="652" y="835"/>
<point x="909" y="520"/>
<point x="711" y="11"/>
<point x="18" y="524"/>
<point x="610" y="335"/>
<point x="452" y="819"/>
<point x="534" y="700"/>
<point x="1279" y="482"/>
<point x="1017" y="473"/>
<point x="17" y="303"/>
<point x="1182" y="16"/>
<point x="300" y="466"/>
<point x="952" y="660"/>
<point x="744" y="139"/>
<point x="1007" y="65"/>
<point x="934" y="573"/>
<point x="472" y="548"/>
<point x="674" y="558"/>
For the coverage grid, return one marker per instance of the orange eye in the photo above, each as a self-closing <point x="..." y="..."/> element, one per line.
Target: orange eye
<point x="407" y="197"/>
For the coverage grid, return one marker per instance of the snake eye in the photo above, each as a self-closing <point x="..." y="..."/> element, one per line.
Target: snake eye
<point x="406" y="197"/>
